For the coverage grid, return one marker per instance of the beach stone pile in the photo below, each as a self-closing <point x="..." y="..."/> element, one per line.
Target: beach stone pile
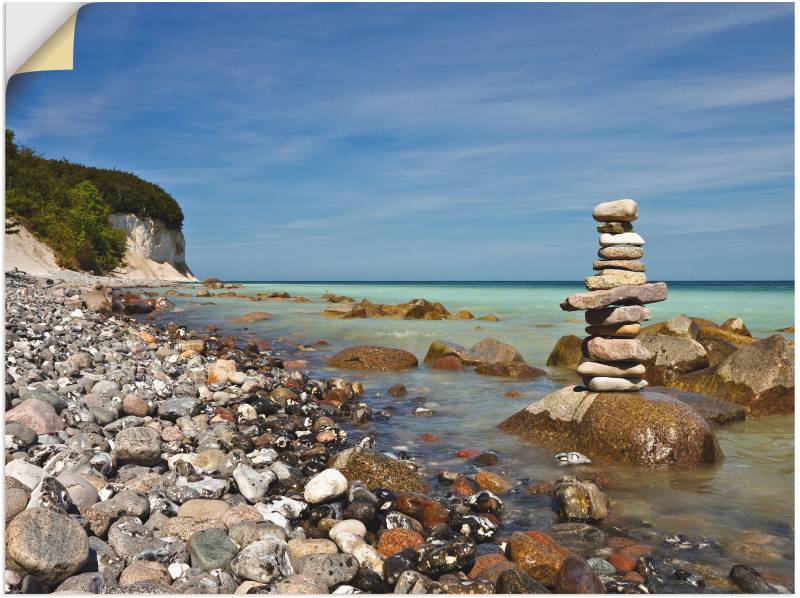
<point x="607" y="417"/>
<point x="614" y="306"/>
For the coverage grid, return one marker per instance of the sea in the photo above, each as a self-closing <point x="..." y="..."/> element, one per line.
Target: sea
<point x="740" y="511"/>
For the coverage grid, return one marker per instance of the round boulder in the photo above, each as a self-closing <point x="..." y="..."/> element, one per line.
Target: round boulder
<point x="48" y="545"/>
<point x="650" y="430"/>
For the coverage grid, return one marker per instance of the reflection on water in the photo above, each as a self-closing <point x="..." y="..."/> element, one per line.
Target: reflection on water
<point x="744" y="504"/>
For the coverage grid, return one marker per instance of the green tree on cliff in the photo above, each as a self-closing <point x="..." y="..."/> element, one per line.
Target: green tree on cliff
<point x="67" y="206"/>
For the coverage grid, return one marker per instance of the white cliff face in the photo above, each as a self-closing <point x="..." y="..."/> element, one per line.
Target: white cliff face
<point x="153" y="250"/>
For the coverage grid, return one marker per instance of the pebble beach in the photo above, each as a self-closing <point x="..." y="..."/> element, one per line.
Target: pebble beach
<point x="148" y="457"/>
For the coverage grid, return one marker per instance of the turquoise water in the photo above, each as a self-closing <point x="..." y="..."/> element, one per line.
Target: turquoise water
<point x="742" y="503"/>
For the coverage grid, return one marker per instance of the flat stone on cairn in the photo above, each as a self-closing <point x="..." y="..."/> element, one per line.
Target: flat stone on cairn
<point x="613" y="304"/>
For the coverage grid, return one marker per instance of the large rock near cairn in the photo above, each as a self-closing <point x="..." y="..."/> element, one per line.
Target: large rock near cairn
<point x="567" y="353"/>
<point x="366" y="357"/>
<point x="759" y="376"/>
<point x="377" y="471"/>
<point x="486" y="351"/>
<point x="651" y="430"/>
<point x="672" y="356"/>
<point x="510" y="369"/>
<point x="48" y="545"/>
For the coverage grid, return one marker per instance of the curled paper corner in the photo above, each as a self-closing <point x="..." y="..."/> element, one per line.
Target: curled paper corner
<point x="40" y="36"/>
<point x="57" y="52"/>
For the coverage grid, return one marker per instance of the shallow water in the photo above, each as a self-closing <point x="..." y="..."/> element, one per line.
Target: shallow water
<point x="745" y="505"/>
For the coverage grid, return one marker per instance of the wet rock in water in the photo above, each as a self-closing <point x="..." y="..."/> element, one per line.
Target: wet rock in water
<point x="425" y="510"/>
<point x="493" y="482"/>
<point x="510" y="369"/>
<point x="377" y="470"/>
<point x="324" y="486"/>
<point x="577" y="577"/>
<point x="448" y="363"/>
<point x="651" y="430"/>
<point x="489" y="351"/>
<point x="750" y="580"/>
<point x="140" y="446"/>
<point x="567" y="352"/>
<point x="736" y="325"/>
<point x="211" y="549"/>
<point x="398" y="390"/>
<point x="50" y="546"/>
<point x="601" y="566"/>
<point x="513" y="581"/>
<point x="253" y="316"/>
<point x="580" y="501"/>
<point x="373" y="358"/>
<point x="714" y="411"/>
<point x="439" y="349"/>
<point x="538" y="555"/>
<point x="759" y="376"/>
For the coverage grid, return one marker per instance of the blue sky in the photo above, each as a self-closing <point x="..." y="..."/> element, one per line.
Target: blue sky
<point x="439" y="142"/>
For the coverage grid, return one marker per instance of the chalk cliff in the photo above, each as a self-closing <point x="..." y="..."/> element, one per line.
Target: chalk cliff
<point x="153" y="251"/>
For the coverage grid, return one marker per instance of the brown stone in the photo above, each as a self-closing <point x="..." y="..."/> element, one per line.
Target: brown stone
<point x="538" y="555"/>
<point x="377" y="470"/>
<point x="626" y="295"/>
<point x="395" y="540"/>
<point x="449" y="363"/>
<point x="494" y="482"/>
<point x="366" y="357"/>
<point x="145" y="571"/>
<point x="38" y="415"/>
<point x="510" y="369"/>
<point x="577" y="577"/>
<point x="489" y="566"/>
<point x="567" y="353"/>
<point x="425" y="510"/>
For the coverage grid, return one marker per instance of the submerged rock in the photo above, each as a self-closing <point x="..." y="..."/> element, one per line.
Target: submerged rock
<point x="367" y="357"/>
<point x="377" y="470"/>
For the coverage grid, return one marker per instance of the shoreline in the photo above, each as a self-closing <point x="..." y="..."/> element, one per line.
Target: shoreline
<point x="270" y="390"/>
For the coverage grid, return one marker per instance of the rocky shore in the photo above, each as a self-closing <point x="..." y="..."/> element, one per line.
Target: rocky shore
<point x="144" y="459"/>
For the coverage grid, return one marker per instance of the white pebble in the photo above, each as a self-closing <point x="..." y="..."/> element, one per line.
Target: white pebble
<point x="326" y="485"/>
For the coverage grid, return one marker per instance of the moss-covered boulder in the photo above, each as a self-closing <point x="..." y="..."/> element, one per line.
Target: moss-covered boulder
<point x="567" y="353"/>
<point x="377" y="471"/>
<point x="759" y="376"/>
<point x="367" y="357"/>
<point x="650" y="430"/>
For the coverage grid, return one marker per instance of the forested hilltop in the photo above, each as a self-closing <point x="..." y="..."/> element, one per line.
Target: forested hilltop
<point x="67" y="206"/>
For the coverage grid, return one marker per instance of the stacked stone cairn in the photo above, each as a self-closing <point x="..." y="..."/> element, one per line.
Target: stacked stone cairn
<point x="614" y="304"/>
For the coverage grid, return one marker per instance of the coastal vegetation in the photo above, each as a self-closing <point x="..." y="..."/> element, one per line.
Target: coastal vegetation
<point x="67" y="205"/>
